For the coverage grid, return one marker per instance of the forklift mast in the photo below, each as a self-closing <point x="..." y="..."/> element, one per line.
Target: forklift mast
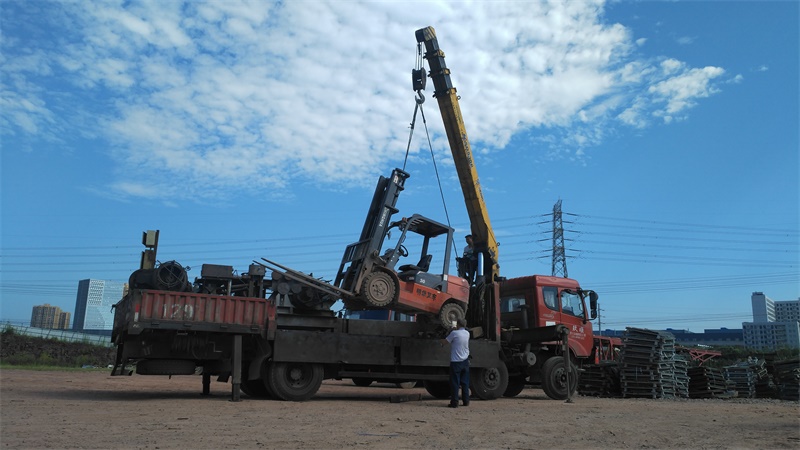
<point x="359" y="257"/>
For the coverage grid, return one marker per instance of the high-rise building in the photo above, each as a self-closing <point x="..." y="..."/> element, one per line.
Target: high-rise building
<point x="47" y="316"/>
<point x="63" y="320"/>
<point x="776" y="324"/>
<point x="93" y="313"/>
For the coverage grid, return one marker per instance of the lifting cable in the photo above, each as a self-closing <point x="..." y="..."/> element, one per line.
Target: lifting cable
<point x="418" y="101"/>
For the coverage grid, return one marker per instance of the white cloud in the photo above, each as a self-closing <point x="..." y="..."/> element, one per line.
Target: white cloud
<point x="681" y="91"/>
<point x="220" y="96"/>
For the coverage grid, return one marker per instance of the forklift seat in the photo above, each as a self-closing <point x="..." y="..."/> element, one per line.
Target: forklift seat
<point x="422" y="266"/>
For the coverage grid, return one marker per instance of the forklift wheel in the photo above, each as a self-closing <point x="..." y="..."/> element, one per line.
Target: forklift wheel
<point x="449" y="313"/>
<point x="379" y="289"/>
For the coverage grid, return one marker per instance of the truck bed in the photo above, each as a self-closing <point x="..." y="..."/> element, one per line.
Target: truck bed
<point x="150" y="309"/>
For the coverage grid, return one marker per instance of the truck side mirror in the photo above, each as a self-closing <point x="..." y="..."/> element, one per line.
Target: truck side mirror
<point x="593" y="304"/>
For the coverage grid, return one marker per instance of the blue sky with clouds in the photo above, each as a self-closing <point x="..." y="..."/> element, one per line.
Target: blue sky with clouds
<point x="244" y="130"/>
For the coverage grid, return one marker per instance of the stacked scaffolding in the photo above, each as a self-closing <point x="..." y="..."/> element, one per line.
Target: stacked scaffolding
<point x="765" y="387"/>
<point x="743" y="379"/>
<point x="681" y="377"/>
<point x="647" y="364"/>
<point x="709" y="382"/>
<point x="600" y="380"/>
<point x="787" y="377"/>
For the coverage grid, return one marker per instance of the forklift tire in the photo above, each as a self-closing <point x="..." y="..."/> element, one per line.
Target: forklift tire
<point x="554" y="378"/>
<point x="379" y="289"/>
<point x="449" y="313"/>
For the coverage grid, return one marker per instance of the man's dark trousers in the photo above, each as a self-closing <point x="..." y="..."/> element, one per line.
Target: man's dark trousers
<point x="459" y="376"/>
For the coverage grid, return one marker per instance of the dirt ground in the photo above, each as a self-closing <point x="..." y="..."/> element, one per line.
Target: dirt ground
<point x="95" y="410"/>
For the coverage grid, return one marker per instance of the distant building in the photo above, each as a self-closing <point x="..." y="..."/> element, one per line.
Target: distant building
<point x="47" y="316"/>
<point x="776" y="324"/>
<point x="93" y="312"/>
<point x="722" y="337"/>
<point x="63" y="320"/>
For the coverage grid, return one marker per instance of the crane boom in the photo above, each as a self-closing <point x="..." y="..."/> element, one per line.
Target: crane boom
<point x="445" y="94"/>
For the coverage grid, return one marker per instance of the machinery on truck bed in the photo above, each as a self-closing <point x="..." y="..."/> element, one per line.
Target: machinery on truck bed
<point x="367" y="279"/>
<point x="527" y="304"/>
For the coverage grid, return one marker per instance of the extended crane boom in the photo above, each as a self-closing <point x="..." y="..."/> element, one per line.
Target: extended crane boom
<point x="444" y="92"/>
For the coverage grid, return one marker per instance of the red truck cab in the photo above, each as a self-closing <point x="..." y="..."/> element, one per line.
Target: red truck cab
<point x="540" y="301"/>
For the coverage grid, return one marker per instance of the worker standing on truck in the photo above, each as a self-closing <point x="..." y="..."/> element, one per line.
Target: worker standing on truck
<point x="468" y="263"/>
<point x="459" y="363"/>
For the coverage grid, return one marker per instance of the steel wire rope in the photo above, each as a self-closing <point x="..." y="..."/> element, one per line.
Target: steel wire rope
<point x="418" y="101"/>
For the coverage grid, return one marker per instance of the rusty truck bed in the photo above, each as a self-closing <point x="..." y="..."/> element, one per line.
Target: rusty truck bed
<point x="150" y="309"/>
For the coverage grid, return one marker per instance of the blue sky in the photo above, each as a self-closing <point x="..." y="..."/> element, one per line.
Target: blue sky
<point x="244" y="130"/>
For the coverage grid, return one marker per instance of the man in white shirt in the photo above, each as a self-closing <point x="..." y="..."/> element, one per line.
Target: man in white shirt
<point x="459" y="363"/>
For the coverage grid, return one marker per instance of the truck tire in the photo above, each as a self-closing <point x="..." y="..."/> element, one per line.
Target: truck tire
<point x="294" y="381"/>
<point x="449" y="313"/>
<point x="515" y="385"/>
<point x="437" y="389"/>
<point x="379" y="289"/>
<point x="554" y="378"/>
<point x="165" y="367"/>
<point x="489" y="383"/>
<point x="362" y="382"/>
<point x="255" y="388"/>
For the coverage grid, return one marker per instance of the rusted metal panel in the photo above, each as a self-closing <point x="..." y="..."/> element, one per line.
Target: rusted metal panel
<point x="187" y="310"/>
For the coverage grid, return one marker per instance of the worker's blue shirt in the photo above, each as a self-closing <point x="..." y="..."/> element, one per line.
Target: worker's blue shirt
<point x="459" y="345"/>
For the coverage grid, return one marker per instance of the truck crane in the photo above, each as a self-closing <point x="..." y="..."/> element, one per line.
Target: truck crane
<point x="275" y="335"/>
<point x="528" y="305"/>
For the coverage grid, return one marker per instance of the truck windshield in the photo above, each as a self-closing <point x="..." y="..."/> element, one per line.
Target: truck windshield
<point x="571" y="304"/>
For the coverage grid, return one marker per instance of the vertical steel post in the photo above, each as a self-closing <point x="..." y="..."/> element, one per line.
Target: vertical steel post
<point x="206" y="383"/>
<point x="567" y="364"/>
<point x="237" y="368"/>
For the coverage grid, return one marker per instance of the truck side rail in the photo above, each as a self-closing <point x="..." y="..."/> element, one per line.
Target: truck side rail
<point x="145" y="309"/>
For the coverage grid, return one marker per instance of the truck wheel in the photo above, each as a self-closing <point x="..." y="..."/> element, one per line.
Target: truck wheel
<point x="438" y="389"/>
<point x="489" y="383"/>
<point x="379" y="289"/>
<point x="515" y="385"/>
<point x="554" y="378"/>
<point x="255" y="388"/>
<point x="449" y="313"/>
<point x="165" y="367"/>
<point x="295" y="382"/>
<point x="362" y="382"/>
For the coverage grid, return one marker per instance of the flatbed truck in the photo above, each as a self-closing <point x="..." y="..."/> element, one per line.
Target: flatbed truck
<point x="270" y="350"/>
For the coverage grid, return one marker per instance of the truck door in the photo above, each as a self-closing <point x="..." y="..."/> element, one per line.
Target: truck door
<point x="573" y="316"/>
